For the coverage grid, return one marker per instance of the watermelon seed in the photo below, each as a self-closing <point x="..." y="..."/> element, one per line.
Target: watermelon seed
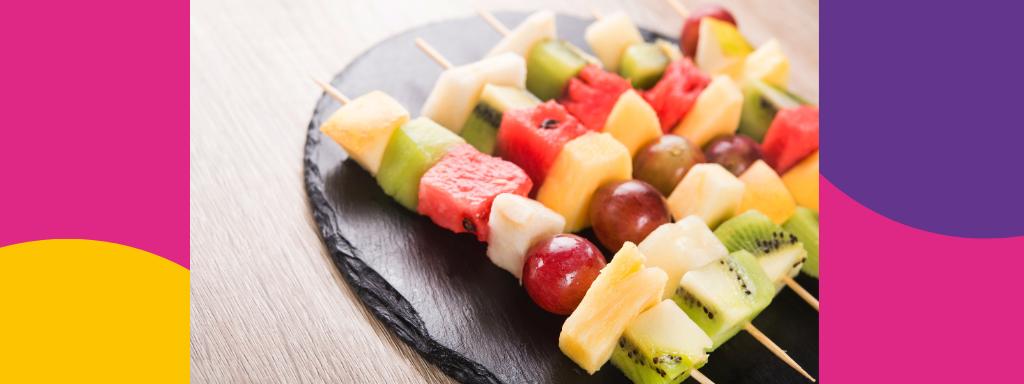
<point x="549" y="124"/>
<point x="468" y="225"/>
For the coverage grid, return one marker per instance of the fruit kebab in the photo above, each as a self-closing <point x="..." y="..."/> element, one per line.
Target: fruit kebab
<point x="721" y="291"/>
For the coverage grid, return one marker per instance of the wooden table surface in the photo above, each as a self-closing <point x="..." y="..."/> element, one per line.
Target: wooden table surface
<point x="267" y="305"/>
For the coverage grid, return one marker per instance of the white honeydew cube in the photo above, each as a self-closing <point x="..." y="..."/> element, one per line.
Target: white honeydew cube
<point x="610" y="36"/>
<point x="715" y="113"/>
<point x="708" y="191"/>
<point x="681" y="247"/>
<point x="458" y="89"/>
<point x="516" y="224"/>
<point x="768" y="64"/>
<point x="537" y="27"/>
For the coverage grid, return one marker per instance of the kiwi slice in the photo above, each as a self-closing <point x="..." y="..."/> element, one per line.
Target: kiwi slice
<point x="778" y="251"/>
<point x="804" y="224"/>
<point x="724" y="295"/>
<point x="481" y="129"/>
<point x="660" y="346"/>
<point x="643" y="64"/>
<point x="760" y="104"/>
<point x="550" y="66"/>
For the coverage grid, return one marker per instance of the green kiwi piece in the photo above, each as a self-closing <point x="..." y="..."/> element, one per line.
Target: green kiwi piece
<point x="481" y="129"/>
<point x="761" y="102"/>
<point x="804" y="224"/>
<point x="643" y="64"/>
<point x="779" y="252"/>
<point x="550" y="66"/>
<point x="723" y="296"/>
<point x="661" y="346"/>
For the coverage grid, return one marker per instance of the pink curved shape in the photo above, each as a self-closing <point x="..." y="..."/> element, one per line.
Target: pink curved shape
<point x="904" y="305"/>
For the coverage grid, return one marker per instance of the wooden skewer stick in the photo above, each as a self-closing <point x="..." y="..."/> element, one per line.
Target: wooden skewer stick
<point x="801" y="291"/>
<point x="433" y="54"/>
<point x="775" y="349"/>
<point x="493" y="21"/>
<point x="680" y="9"/>
<point x="597" y="14"/>
<point x="700" y="377"/>
<point x="331" y="90"/>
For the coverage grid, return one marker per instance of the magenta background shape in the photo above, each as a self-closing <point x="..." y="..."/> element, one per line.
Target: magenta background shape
<point x="94" y="125"/>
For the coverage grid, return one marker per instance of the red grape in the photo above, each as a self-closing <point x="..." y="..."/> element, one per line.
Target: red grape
<point x="559" y="270"/>
<point x="664" y="161"/>
<point x="691" y="28"/>
<point x="734" y="152"/>
<point x="627" y="210"/>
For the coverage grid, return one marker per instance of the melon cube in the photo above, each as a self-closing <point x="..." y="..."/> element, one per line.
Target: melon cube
<point x="516" y="224"/>
<point x="768" y="64"/>
<point x="363" y="127"/>
<point x="457" y="192"/>
<point x="633" y="122"/>
<point x="458" y="89"/>
<point x="550" y="66"/>
<point x="537" y="27"/>
<point x="715" y="113"/>
<point x="622" y="291"/>
<point x="765" y="192"/>
<point x="681" y="247"/>
<point x="792" y="136"/>
<point x="709" y="191"/>
<point x="610" y="36"/>
<point x="802" y="181"/>
<point x="412" y="150"/>
<point x="584" y="165"/>
<point x="643" y="64"/>
<point x="721" y="49"/>
<point x="532" y="138"/>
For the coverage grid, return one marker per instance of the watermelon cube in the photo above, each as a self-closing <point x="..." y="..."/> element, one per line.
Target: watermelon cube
<point x="674" y="95"/>
<point x="792" y="136"/>
<point x="412" y="150"/>
<point x="363" y="127"/>
<point x="457" y="192"/>
<point x="584" y="165"/>
<point x="591" y="96"/>
<point x="516" y="224"/>
<point x="531" y="138"/>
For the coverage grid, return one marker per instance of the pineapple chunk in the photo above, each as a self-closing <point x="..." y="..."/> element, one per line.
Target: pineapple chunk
<point x="708" y="191"/>
<point x="363" y="127"/>
<point x="721" y="49"/>
<point x="537" y="27"/>
<point x="681" y="247"/>
<point x="584" y="165"/>
<point x="716" y="112"/>
<point x="802" y="181"/>
<point x="610" y="36"/>
<point x="516" y="224"/>
<point x="633" y="122"/>
<point x="457" y="90"/>
<point x="765" y="192"/>
<point x="622" y="291"/>
<point x="768" y="64"/>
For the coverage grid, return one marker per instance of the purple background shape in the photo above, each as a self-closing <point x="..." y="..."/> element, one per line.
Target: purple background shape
<point x="923" y="112"/>
<point x="93" y="128"/>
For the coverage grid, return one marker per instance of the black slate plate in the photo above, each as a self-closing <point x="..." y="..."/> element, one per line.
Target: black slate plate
<point x="438" y="291"/>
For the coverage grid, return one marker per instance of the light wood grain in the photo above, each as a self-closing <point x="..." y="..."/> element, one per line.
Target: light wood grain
<point x="267" y="305"/>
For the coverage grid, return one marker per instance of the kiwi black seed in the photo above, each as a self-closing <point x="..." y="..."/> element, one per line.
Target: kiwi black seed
<point x="488" y="114"/>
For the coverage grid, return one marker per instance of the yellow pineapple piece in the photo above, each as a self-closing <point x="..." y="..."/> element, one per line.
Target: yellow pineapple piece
<point x="622" y="291"/>
<point x="765" y="192"/>
<point x="709" y="191"/>
<point x="802" y="181"/>
<point x="721" y="49"/>
<point x="633" y="122"/>
<point x="716" y="112"/>
<point x="584" y="165"/>
<point x="364" y="125"/>
<point x="768" y="64"/>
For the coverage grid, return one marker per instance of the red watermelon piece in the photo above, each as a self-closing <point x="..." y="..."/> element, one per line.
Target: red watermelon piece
<point x="531" y="138"/>
<point x="792" y="136"/>
<point x="592" y="95"/>
<point x="674" y="95"/>
<point x="457" y="192"/>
